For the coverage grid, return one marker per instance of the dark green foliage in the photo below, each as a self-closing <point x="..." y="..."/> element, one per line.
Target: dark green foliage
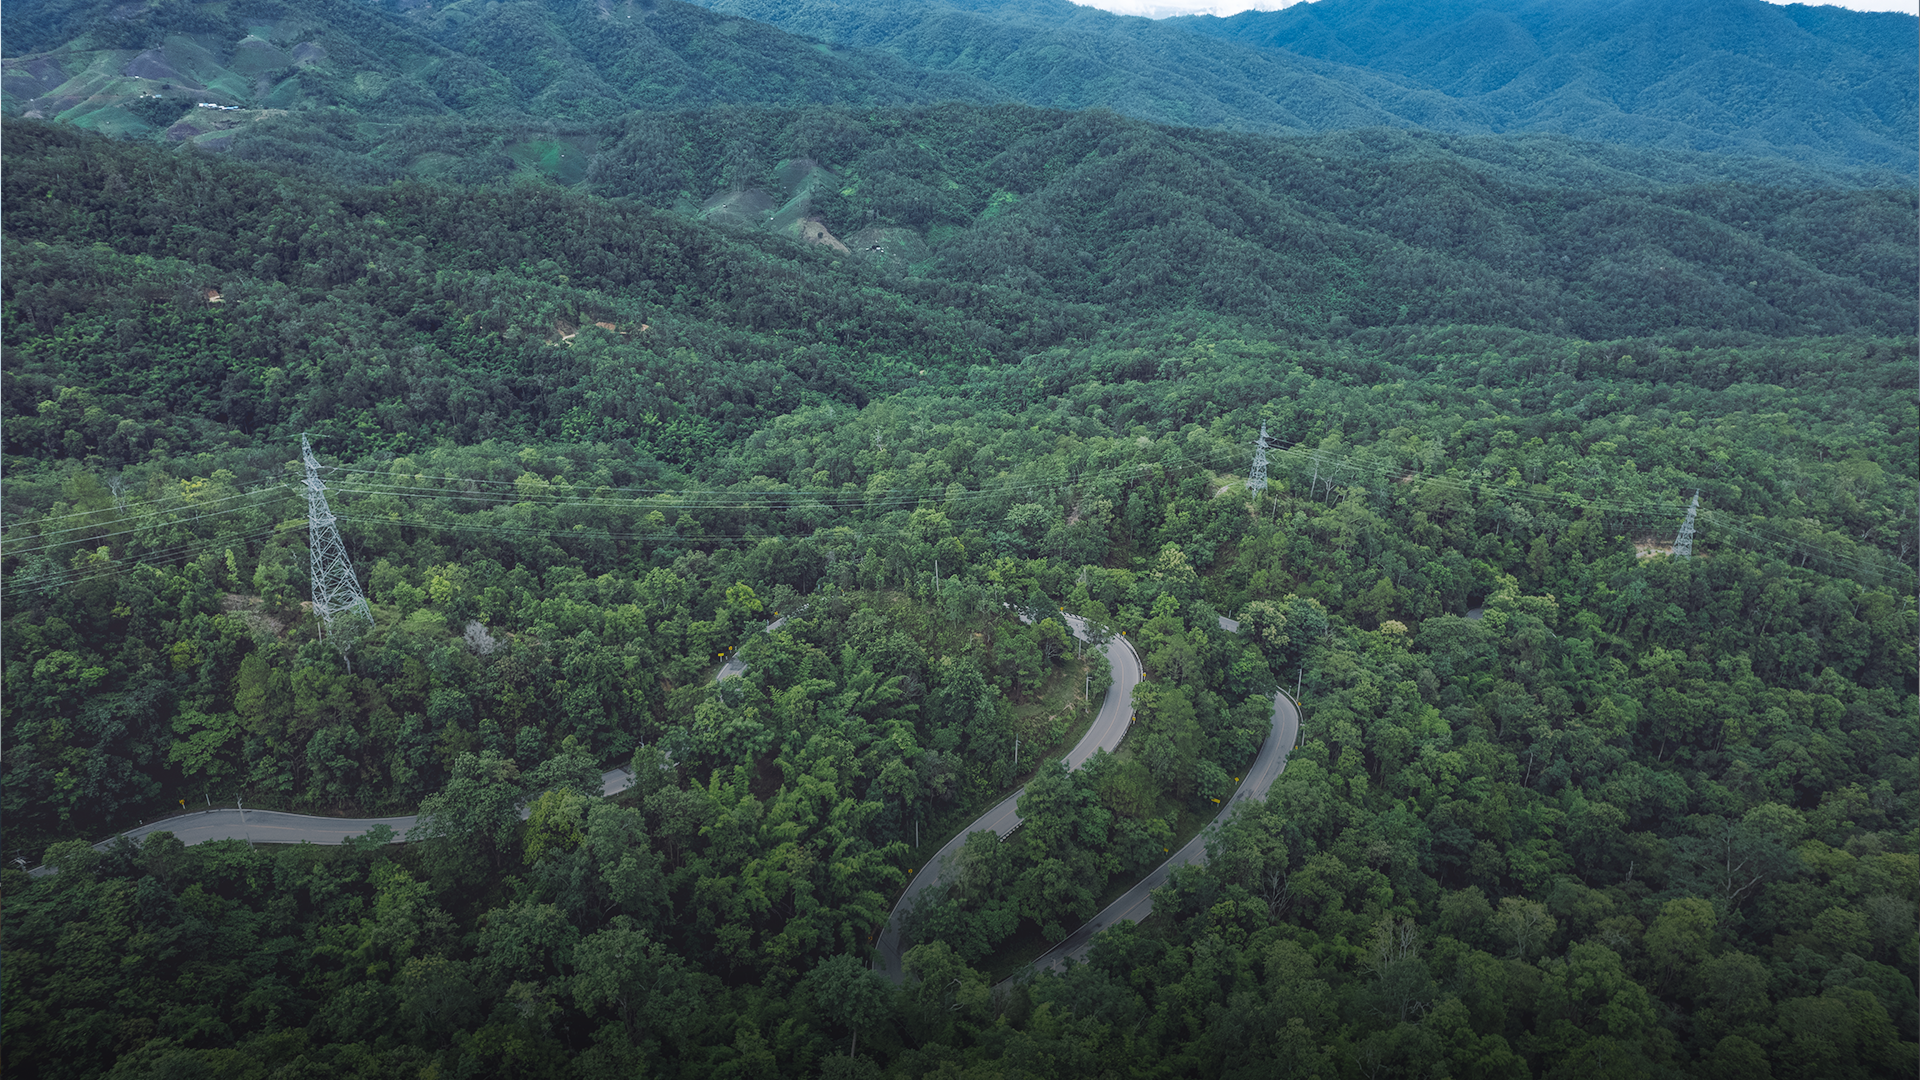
<point x="1500" y="843"/>
<point x="1641" y="815"/>
<point x="571" y="62"/>
<point x="1376" y="230"/>
<point x="535" y="313"/>
<point x="1741" y="78"/>
<point x="1708" y="74"/>
<point x="1735" y="76"/>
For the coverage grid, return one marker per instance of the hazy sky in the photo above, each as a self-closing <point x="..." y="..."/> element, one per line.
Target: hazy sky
<point x="1160" y="9"/>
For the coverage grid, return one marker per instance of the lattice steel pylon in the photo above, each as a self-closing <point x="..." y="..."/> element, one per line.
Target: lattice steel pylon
<point x="1257" y="479"/>
<point x="1683" y="547"/>
<point x="335" y="590"/>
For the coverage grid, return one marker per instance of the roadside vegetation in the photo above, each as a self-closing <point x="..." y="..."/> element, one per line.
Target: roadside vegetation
<point x="1646" y="816"/>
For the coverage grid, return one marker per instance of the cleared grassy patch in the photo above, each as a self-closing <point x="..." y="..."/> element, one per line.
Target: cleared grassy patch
<point x="1056" y="717"/>
<point x="563" y="158"/>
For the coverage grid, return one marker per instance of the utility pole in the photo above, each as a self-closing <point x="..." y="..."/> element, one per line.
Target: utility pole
<point x="1683" y="547"/>
<point x="335" y="589"/>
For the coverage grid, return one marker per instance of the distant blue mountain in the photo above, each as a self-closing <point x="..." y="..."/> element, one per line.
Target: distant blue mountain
<point x="1742" y="75"/>
<point x="1821" y="86"/>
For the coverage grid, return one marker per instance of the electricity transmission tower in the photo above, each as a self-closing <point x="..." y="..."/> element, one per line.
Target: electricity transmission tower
<point x="1683" y="547"/>
<point x="1257" y="479"/>
<point x="335" y="590"/>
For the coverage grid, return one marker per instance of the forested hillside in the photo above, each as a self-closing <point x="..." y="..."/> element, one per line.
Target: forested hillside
<point x="1732" y="75"/>
<point x="331" y="83"/>
<point x="519" y="311"/>
<point x="144" y="71"/>
<point x="582" y="441"/>
<point x="841" y="350"/>
<point x="1819" y="85"/>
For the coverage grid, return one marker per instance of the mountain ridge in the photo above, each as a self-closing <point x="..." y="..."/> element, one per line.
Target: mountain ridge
<point x="1677" y="69"/>
<point x="143" y="73"/>
<point x="1293" y="72"/>
<point x="1818" y="90"/>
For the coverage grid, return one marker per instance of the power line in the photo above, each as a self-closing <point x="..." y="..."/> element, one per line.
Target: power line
<point x="1482" y="491"/>
<point x="1721" y="521"/>
<point x="700" y="499"/>
<point x="832" y="499"/>
<point x="1491" y="493"/>
<point x="122" y="512"/>
<point x="25" y="583"/>
<point x="153" y="522"/>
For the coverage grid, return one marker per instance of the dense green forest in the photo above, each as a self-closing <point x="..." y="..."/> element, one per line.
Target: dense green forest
<point x="144" y="71"/>
<point x="1667" y="74"/>
<point x="1758" y="86"/>
<point x="1818" y="85"/>
<point x="409" y="312"/>
<point x="602" y="394"/>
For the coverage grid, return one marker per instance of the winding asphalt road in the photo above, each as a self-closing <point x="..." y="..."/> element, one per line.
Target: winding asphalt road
<point x="277" y="827"/>
<point x="1137" y="903"/>
<point x="1105" y="733"/>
